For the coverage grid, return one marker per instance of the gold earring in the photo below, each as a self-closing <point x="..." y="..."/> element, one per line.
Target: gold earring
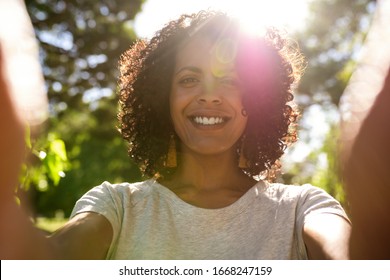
<point x="242" y="161"/>
<point x="171" y="160"/>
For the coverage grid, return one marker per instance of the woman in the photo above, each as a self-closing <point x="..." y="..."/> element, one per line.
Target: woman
<point x="206" y="109"/>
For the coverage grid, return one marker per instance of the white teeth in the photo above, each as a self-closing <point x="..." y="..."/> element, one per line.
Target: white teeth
<point x="208" y="121"/>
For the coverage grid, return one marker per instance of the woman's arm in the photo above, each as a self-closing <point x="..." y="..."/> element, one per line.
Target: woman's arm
<point x="86" y="236"/>
<point x="326" y="236"/>
<point x="367" y="181"/>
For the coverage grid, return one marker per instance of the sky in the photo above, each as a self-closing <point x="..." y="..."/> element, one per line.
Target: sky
<point x="290" y="14"/>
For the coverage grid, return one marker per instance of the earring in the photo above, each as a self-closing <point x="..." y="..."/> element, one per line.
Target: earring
<point x="244" y="112"/>
<point x="242" y="161"/>
<point x="171" y="160"/>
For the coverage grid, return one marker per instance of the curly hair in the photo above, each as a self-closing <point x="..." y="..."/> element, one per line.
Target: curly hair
<point x="269" y="66"/>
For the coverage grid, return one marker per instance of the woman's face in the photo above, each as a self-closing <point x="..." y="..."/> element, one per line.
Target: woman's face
<point x="206" y="98"/>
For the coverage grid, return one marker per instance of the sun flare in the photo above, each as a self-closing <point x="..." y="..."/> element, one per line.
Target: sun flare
<point x="258" y="14"/>
<point x="254" y="15"/>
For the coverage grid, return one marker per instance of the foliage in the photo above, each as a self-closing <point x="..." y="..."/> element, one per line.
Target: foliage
<point x="322" y="168"/>
<point x="328" y="177"/>
<point x="50" y="225"/>
<point x="335" y="32"/>
<point x="46" y="164"/>
<point x="81" y="41"/>
<point x="80" y="44"/>
<point x="331" y="41"/>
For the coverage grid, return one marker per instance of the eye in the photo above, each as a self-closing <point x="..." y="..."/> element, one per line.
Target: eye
<point x="188" y="81"/>
<point x="230" y="81"/>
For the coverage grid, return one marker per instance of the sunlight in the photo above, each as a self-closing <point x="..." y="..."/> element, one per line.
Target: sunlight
<point x="254" y="15"/>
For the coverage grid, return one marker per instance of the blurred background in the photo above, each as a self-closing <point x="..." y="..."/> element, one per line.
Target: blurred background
<point x="80" y="42"/>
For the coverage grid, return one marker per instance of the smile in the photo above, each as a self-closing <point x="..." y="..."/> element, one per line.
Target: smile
<point x="208" y="120"/>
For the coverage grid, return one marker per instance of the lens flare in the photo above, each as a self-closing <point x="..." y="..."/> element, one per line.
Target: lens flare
<point x="254" y="15"/>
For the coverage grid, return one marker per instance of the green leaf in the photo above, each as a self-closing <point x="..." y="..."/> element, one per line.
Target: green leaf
<point x="57" y="147"/>
<point x="27" y="137"/>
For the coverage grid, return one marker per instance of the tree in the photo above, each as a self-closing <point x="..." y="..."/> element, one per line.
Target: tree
<point x="80" y="44"/>
<point x="81" y="41"/>
<point x="335" y="32"/>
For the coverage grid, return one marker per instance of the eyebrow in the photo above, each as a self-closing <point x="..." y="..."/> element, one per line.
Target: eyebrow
<point x="198" y="70"/>
<point x="189" y="68"/>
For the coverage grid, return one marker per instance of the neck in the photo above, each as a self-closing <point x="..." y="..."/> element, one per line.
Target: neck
<point x="210" y="172"/>
<point x="209" y="181"/>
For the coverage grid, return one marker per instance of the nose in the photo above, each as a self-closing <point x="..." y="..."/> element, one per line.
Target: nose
<point x="210" y="94"/>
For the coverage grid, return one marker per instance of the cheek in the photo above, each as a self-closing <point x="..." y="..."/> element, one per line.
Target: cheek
<point x="180" y="99"/>
<point x="241" y="114"/>
<point x="236" y="102"/>
<point x="177" y="105"/>
<point x="174" y="105"/>
<point x="242" y="122"/>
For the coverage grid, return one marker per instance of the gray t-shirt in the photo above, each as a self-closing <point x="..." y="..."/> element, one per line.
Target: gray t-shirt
<point x="150" y="222"/>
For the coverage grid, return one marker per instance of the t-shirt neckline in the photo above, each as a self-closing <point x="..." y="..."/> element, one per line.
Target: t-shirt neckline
<point x="236" y="207"/>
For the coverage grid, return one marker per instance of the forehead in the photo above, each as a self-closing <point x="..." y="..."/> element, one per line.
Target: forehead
<point x="192" y="51"/>
<point x="203" y="49"/>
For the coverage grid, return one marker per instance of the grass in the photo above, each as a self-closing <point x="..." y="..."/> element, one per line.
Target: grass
<point x="50" y="224"/>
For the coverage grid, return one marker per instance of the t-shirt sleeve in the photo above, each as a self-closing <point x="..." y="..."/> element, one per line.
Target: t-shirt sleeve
<point x="106" y="200"/>
<point x="314" y="201"/>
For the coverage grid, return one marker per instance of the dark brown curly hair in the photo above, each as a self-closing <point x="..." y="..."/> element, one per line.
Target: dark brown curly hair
<point x="269" y="67"/>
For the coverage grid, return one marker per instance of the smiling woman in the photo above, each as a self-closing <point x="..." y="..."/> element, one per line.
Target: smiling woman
<point x="206" y="109"/>
<point x="223" y="65"/>
<point x="205" y="128"/>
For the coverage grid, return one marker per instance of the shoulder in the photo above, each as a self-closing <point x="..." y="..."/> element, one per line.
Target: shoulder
<point x="306" y="198"/>
<point x="291" y="192"/>
<point x="129" y="192"/>
<point x="108" y="197"/>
